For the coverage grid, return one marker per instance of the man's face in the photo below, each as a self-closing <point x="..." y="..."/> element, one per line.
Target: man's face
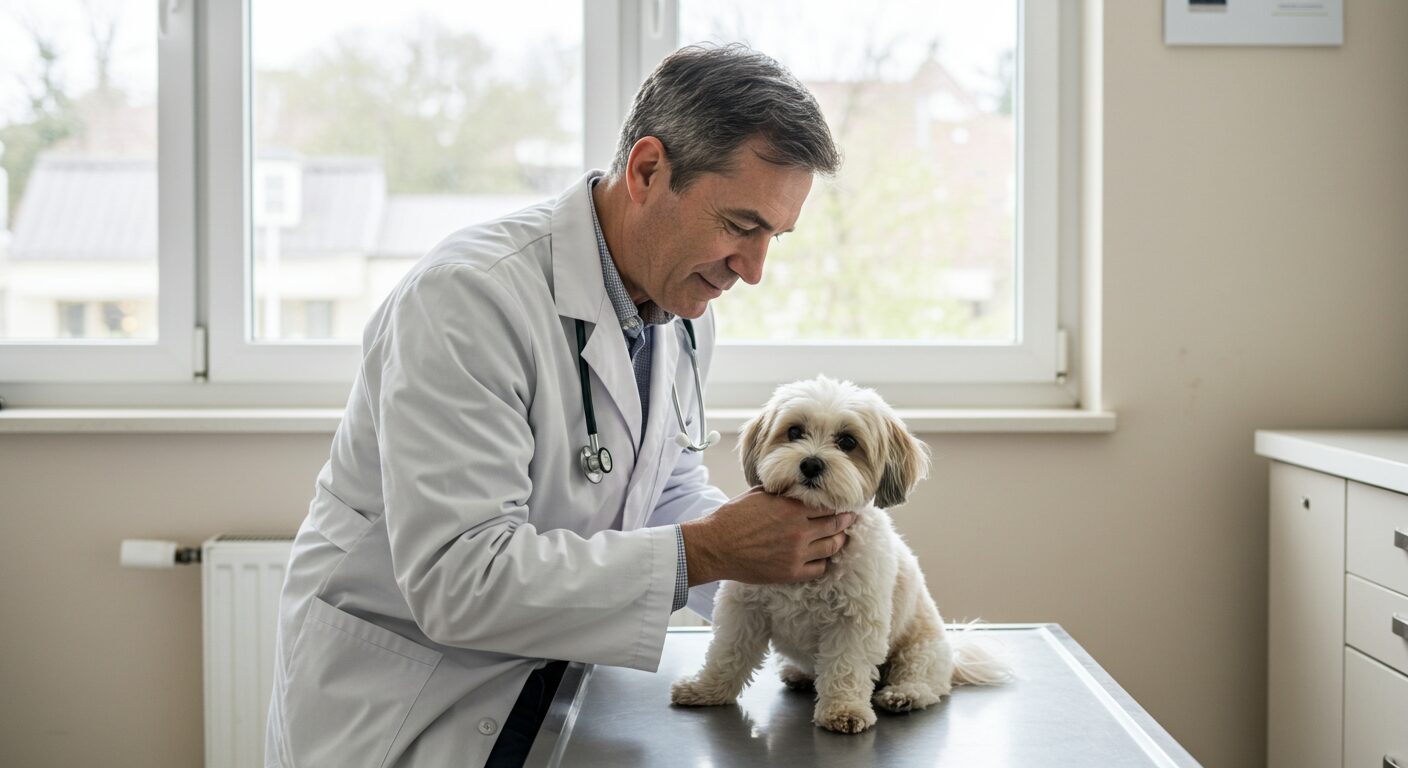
<point x="694" y="246"/>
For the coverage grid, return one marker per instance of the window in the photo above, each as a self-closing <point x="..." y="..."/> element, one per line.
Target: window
<point x="929" y="264"/>
<point x="915" y="238"/>
<point x="342" y="140"/>
<point x="73" y="320"/>
<point x="376" y="130"/>
<point x="307" y="319"/>
<point x="103" y="320"/>
<point x="96" y="192"/>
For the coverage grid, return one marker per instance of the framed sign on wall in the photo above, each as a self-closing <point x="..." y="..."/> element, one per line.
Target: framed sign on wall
<point x="1253" y="22"/>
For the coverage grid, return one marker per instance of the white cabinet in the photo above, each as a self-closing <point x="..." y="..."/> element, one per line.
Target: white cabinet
<point x="1305" y="644"/>
<point x="1337" y="688"/>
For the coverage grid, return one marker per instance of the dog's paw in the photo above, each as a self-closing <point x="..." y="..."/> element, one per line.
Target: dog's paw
<point x="796" y="679"/>
<point x="691" y="692"/>
<point x="904" y="698"/>
<point x="844" y="717"/>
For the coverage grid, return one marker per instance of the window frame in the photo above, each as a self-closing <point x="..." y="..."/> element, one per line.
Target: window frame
<point x="233" y="356"/>
<point x="172" y="356"/>
<point x="1034" y="371"/>
<point x="205" y="144"/>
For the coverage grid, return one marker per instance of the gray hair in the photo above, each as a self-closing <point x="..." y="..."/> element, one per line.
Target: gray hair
<point x="704" y="102"/>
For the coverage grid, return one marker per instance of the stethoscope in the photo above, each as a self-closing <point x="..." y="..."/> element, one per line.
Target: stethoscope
<point x="595" y="459"/>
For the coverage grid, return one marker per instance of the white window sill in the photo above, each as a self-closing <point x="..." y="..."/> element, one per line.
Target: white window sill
<point x="325" y="420"/>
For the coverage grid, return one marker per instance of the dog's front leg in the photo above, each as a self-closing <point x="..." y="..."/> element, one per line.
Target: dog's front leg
<point x="738" y="648"/>
<point x="847" y="667"/>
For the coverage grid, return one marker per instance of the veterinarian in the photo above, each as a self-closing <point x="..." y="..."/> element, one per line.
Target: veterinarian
<point x="467" y="535"/>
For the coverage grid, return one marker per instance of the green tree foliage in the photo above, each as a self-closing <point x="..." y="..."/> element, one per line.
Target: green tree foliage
<point x="436" y="112"/>
<point x="1006" y="76"/>
<point x="52" y="117"/>
<point x="863" y="264"/>
<point x="870" y="251"/>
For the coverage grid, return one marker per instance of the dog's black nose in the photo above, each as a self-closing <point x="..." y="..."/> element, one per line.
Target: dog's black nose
<point x="812" y="466"/>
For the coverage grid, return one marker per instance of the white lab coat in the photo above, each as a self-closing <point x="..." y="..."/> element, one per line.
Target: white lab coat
<point x="453" y="541"/>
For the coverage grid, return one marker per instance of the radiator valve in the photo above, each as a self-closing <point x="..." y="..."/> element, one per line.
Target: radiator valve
<point x="154" y="553"/>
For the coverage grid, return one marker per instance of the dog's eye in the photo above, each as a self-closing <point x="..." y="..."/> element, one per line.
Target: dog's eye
<point x="846" y="443"/>
<point x="794" y="433"/>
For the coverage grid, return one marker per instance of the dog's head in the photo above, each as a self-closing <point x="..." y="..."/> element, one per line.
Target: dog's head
<point x="832" y="444"/>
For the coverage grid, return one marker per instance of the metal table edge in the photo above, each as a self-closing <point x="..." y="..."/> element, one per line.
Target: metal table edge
<point x="556" y="731"/>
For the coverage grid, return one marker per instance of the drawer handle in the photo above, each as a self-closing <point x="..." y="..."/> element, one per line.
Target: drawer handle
<point x="1400" y="538"/>
<point x="1400" y="626"/>
<point x="1390" y="762"/>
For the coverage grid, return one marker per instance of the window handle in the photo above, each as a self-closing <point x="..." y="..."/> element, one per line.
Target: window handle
<point x="655" y="10"/>
<point x="168" y="7"/>
<point x="1400" y="626"/>
<point x="1400" y="539"/>
<point x="1390" y="762"/>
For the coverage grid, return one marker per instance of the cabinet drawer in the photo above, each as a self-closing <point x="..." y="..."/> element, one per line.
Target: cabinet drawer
<point x="1377" y="536"/>
<point x="1375" y="713"/>
<point x="1370" y="612"/>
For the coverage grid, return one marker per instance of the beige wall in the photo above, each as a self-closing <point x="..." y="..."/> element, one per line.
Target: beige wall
<point x="1256" y="246"/>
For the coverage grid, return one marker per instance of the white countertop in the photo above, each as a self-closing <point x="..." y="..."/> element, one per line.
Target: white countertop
<point x="1375" y="457"/>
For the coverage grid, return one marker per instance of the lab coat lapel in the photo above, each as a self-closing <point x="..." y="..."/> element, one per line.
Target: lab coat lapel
<point x="605" y="354"/>
<point x="578" y="287"/>
<point x="579" y="290"/>
<point x="660" y="431"/>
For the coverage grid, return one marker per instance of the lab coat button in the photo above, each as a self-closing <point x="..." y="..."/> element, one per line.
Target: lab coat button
<point x="487" y="726"/>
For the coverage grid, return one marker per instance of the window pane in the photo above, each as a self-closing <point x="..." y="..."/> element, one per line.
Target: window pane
<point x="78" y="176"/>
<point x="915" y="238"/>
<point x="380" y="128"/>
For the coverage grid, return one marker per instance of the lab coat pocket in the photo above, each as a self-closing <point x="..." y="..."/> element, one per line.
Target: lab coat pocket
<point x="351" y="685"/>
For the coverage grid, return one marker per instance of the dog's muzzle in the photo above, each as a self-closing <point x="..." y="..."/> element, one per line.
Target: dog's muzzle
<point x="812" y="467"/>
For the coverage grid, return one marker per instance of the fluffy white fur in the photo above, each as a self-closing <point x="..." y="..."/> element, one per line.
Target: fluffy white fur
<point x="868" y="630"/>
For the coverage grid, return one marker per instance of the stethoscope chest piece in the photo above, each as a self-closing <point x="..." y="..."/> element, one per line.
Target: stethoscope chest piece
<point x="595" y="460"/>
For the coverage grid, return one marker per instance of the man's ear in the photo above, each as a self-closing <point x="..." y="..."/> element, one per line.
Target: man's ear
<point x="647" y="169"/>
<point x="906" y="463"/>
<point x="750" y="444"/>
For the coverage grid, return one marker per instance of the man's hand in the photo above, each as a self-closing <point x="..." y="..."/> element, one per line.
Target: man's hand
<point x="759" y="538"/>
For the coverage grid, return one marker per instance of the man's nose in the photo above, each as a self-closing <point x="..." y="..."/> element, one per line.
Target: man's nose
<point x="748" y="263"/>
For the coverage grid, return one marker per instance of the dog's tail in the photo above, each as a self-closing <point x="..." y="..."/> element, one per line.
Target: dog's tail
<point x="975" y="662"/>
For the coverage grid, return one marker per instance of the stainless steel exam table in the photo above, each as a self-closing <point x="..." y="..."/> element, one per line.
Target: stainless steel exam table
<point x="1062" y="710"/>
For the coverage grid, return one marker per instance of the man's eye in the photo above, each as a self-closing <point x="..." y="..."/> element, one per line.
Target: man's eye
<point x="737" y="230"/>
<point x="846" y="443"/>
<point x="794" y="433"/>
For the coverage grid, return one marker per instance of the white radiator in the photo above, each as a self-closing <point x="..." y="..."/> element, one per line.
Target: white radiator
<point x="241" y="577"/>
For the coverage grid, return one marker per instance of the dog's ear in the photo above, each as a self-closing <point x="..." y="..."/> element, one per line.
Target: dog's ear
<point x="906" y="463"/>
<point x="750" y="444"/>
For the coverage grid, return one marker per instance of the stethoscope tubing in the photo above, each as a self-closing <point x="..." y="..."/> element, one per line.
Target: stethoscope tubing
<point x="594" y="459"/>
<point x="683" y="438"/>
<point x="585" y="378"/>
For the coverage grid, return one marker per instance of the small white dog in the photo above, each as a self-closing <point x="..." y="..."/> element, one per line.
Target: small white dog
<point x="867" y="630"/>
